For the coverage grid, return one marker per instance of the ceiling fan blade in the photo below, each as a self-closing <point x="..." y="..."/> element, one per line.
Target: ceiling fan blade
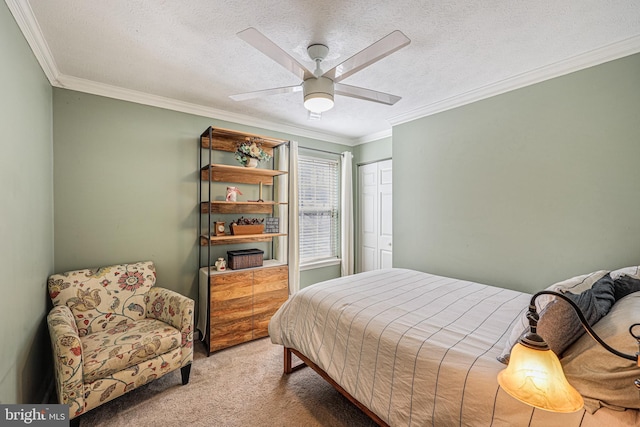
<point x="266" y="92"/>
<point x="366" y="94"/>
<point x="380" y="49"/>
<point x="258" y="40"/>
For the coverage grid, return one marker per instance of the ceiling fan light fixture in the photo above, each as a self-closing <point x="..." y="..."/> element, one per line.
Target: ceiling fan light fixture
<point x="319" y="87"/>
<point x="318" y="94"/>
<point x="318" y="102"/>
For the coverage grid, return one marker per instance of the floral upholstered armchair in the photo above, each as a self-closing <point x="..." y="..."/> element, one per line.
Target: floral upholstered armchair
<point x="112" y="330"/>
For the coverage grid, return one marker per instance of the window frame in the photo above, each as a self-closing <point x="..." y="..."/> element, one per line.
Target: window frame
<point x="334" y="259"/>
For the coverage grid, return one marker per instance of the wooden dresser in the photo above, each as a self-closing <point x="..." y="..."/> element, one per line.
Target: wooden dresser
<point x="241" y="302"/>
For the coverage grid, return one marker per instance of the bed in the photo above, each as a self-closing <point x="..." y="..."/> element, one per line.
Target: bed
<point x="417" y="349"/>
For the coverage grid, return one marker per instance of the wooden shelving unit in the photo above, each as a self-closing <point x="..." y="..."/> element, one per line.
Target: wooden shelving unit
<point x="238" y="303"/>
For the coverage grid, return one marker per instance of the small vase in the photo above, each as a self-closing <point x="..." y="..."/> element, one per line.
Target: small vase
<point x="221" y="264"/>
<point x="251" y="163"/>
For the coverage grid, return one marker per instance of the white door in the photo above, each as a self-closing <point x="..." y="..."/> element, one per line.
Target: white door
<point x="375" y="182"/>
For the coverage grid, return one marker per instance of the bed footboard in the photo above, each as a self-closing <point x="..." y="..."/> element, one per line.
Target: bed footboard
<point x="289" y="368"/>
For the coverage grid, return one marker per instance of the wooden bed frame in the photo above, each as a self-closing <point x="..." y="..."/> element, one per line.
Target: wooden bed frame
<point x="289" y="368"/>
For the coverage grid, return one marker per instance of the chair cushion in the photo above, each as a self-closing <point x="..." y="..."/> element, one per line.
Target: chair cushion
<point x="126" y="344"/>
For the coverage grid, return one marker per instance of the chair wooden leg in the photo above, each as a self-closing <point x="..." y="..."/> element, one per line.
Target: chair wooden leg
<point x="185" y="371"/>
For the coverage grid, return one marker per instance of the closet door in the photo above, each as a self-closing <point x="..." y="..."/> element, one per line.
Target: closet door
<point x="376" y="207"/>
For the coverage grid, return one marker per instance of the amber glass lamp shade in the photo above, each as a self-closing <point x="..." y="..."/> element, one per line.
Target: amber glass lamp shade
<point x="535" y="377"/>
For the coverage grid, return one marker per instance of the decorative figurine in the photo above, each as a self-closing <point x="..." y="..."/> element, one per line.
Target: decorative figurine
<point x="232" y="193"/>
<point x="221" y="264"/>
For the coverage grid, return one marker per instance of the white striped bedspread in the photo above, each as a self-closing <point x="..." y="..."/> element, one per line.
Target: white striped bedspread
<point x="418" y="349"/>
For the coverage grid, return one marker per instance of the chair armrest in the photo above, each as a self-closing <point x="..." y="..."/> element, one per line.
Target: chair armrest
<point x="67" y="358"/>
<point x="174" y="309"/>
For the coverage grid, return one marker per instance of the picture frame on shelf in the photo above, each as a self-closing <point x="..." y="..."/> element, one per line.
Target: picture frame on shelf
<point x="272" y="225"/>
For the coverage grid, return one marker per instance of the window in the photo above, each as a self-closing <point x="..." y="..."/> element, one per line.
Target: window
<point x="318" y="208"/>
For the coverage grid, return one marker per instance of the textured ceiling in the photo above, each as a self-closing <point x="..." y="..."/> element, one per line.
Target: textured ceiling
<point x="188" y="51"/>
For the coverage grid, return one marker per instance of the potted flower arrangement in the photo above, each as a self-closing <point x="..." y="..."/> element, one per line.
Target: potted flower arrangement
<point x="250" y="153"/>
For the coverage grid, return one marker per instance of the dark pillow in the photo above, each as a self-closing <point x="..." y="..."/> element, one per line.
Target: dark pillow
<point x="625" y="285"/>
<point x="559" y="324"/>
<point x="576" y="284"/>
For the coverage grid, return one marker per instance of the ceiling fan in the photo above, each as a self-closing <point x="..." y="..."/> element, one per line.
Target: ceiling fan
<point x="319" y="88"/>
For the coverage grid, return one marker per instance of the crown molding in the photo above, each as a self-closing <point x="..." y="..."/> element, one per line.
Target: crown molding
<point x="373" y="136"/>
<point x="26" y="20"/>
<point x="116" y="92"/>
<point x="598" y="56"/>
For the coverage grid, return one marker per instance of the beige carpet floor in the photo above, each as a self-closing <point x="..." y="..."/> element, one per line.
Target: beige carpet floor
<point x="240" y="386"/>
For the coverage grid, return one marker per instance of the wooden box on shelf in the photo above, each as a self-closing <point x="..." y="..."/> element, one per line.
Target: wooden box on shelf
<point x="237" y="230"/>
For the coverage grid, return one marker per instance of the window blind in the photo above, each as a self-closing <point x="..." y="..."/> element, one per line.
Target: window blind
<point x="318" y="203"/>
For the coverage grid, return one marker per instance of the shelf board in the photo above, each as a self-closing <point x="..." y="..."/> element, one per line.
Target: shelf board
<point x="228" y="173"/>
<point x="242" y="238"/>
<point x="267" y="263"/>
<point x="223" y="207"/>
<point x="227" y="140"/>
<point x="244" y="170"/>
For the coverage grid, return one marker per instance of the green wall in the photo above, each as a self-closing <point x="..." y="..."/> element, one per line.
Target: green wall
<point x="26" y="228"/>
<point x="126" y="185"/>
<point x="525" y="188"/>
<point x="373" y="151"/>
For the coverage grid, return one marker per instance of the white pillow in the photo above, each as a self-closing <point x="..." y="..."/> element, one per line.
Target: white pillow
<point x="575" y="285"/>
<point x="629" y="271"/>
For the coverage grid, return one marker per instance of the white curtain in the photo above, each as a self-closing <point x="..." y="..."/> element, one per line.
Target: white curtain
<point x="346" y="223"/>
<point x="289" y="248"/>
